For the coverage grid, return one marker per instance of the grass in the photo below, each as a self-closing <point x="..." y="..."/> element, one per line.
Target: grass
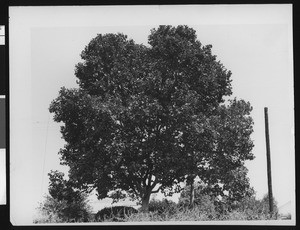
<point x="186" y="214"/>
<point x="178" y="214"/>
<point x="170" y="211"/>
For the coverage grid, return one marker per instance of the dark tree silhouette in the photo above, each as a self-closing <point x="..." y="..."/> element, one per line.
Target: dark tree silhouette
<point x="143" y="117"/>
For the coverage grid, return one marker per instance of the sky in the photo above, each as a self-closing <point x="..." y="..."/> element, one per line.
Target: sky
<point x="254" y="42"/>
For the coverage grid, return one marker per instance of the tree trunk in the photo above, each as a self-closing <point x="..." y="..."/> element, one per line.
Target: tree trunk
<point x="145" y="202"/>
<point x="192" y="194"/>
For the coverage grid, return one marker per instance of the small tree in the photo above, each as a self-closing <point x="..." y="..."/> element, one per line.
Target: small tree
<point x="204" y="199"/>
<point x="224" y="144"/>
<point x="233" y="189"/>
<point x="50" y="211"/>
<point x="65" y="203"/>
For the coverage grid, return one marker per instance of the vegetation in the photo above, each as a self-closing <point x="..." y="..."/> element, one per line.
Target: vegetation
<point x="225" y="207"/>
<point x="139" y="110"/>
<point x="115" y="213"/>
<point x="165" y="210"/>
<point x="162" y="207"/>
<point x="57" y="208"/>
<point x="137" y="113"/>
<point x="64" y="204"/>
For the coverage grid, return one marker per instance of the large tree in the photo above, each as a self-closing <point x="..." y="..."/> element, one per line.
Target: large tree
<point x="141" y="112"/>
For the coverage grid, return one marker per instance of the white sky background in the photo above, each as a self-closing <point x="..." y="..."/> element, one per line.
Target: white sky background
<point x="254" y="42"/>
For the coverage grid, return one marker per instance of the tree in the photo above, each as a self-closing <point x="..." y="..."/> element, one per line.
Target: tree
<point x="65" y="203"/>
<point x="234" y="187"/>
<point x="139" y="110"/>
<point x="225" y="145"/>
<point x="204" y="198"/>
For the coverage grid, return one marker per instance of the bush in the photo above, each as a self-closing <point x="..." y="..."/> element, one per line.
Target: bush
<point x="65" y="202"/>
<point x="257" y="209"/>
<point x="52" y="210"/>
<point x="177" y="214"/>
<point x="248" y="209"/>
<point x="163" y="206"/>
<point x="115" y="213"/>
<point x="44" y="218"/>
<point x="204" y="204"/>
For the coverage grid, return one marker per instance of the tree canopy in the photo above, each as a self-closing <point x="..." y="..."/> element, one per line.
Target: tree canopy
<point x="230" y="191"/>
<point x="145" y="118"/>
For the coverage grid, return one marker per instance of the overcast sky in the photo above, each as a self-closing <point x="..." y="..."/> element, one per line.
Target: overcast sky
<point x="254" y="42"/>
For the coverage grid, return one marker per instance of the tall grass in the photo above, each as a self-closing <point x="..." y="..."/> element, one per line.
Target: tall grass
<point x="166" y="210"/>
<point x="170" y="211"/>
<point x="195" y="214"/>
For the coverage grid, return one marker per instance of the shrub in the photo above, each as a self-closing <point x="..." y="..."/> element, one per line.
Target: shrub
<point x="204" y="204"/>
<point x="43" y="218"/>
<point x="178" y="214"/>
<point x="249" y="208"/>
<point x="115" y="213"/>
<point x="163" y="206"/>
<point x="52" y="210"/>
<point x="257" y="209"/>
<point x="65" y="202"/>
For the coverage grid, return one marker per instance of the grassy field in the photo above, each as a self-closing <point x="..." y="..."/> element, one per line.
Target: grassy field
<point x="170" y="211"/>
<point x="166" y="210"/>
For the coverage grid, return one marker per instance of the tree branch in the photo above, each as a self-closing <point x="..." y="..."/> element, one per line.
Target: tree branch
<point x="149" y="180"/>
<point x="145" y="178"/>
<point x="157" y="190"/>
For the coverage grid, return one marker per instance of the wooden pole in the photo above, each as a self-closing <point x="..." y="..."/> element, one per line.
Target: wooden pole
<point x="268" y="162"/>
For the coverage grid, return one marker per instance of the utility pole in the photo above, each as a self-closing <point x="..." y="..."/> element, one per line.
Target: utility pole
<point x="268" y="162"/>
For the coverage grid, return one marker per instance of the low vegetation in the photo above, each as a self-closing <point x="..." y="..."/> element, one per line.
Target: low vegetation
<point x="116" y="213"/>
<point x="166" y="210"/>
<point x="64" y="204"/>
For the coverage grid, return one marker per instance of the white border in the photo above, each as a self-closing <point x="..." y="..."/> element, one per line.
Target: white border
<point x="23" y="19"/>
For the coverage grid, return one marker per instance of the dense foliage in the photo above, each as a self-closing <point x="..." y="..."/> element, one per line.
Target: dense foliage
<point x="248" y="208"/>
<point x="115" y="213"/>
<point x="232" y="189"/>
<point x="223" y="207"/>
<point x="139" y="110"/>
<point x="65" y="203"/>
<point x="163" y="206"/>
